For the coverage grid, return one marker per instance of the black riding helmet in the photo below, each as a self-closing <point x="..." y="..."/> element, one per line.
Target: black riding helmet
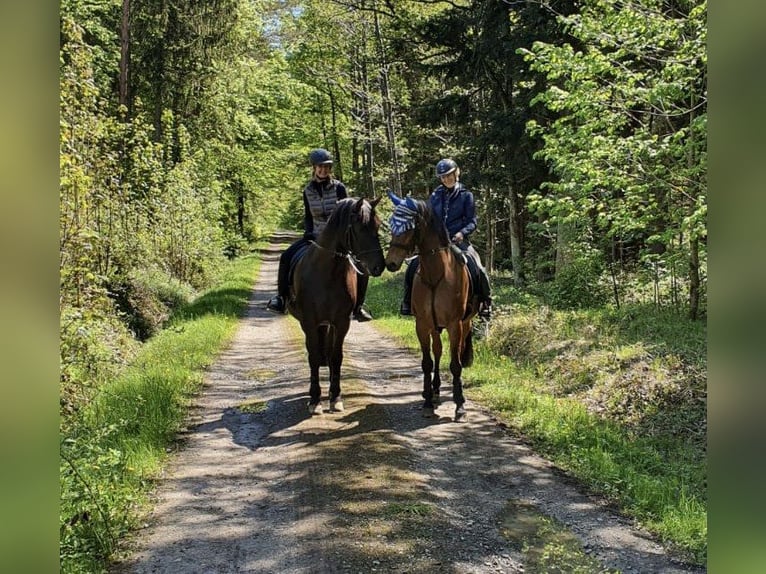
<point x="444" y="167"/>
<point x="320" y="156"/>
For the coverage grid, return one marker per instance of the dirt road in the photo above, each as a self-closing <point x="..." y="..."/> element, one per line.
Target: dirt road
<point x="260" y="486"/>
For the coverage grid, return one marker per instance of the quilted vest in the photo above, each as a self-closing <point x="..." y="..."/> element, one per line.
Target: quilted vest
<point x="321" y="206"/>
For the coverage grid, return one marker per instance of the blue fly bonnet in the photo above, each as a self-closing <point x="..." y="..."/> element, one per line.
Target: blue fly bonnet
<point x="403" y="217"/>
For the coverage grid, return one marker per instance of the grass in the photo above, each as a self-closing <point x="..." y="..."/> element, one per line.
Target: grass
<point x="615" y="398"/>
<point x="114" y="448"/>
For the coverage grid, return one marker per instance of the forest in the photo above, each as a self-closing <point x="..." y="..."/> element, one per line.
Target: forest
<point x="185" y="127"/>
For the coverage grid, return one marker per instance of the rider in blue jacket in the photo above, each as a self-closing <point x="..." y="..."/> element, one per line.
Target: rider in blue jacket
<point x="452" y="202"/>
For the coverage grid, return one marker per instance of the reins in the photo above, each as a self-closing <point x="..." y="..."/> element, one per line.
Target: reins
<point x="353" y="258"/>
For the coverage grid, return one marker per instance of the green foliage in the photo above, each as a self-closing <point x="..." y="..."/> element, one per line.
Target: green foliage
<point x="579" y="285"/>
<point x="628" y="143"/>
<point x="94" y="345"/>
<point x="177" y="51"/>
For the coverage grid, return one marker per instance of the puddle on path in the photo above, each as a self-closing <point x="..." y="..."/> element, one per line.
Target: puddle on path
<point x="261" y="375"/>
<point x="252" y="407"/>
<point x="547" y="545"/>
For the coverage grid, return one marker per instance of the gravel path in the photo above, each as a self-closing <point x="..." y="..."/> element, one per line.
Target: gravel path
<point x="260" y="486"/>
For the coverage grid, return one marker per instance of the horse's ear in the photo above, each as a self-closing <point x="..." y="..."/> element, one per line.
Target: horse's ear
<point x="357" y="208"/>
<point x="395" y="199"/>
<point x="375" y="201"/>
<point x="409" y="202"/>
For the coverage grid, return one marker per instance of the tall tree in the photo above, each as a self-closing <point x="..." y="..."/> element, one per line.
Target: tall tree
<point x="629" y="143"/>
<point x="176" y="48"/>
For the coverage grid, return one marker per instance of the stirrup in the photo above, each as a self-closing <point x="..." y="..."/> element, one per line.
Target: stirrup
<point x="277" y="304"/>
<point x="362" y="315"/>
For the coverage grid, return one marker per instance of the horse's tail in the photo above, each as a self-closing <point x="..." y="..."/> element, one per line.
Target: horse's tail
<point x="326" y="336"/>
<point x="466" y="358"/>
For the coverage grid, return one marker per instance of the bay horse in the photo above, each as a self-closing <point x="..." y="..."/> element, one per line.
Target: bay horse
<point x="323" y="291"/>
<point x="441" y="295"/>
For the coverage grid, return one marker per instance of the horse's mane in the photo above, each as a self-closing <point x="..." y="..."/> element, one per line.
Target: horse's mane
<point x="426" y="212"/>
<point x="341" y="214"/>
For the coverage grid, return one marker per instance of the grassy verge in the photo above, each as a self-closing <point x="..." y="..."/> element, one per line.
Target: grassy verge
<point x="113" y="449"/>
<point x="617" y="399"/>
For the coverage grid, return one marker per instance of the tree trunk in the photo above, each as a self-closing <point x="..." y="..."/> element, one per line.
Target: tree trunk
<point x="388" y="116"/>
<point x="489" y="248"/>
<point x="338" y="168"/>
<point x="125" y="56"/>
<point x="563" y="246"/>
<point x="241" y="210"/>
<point x="694" y="245"/>
<point x="694" y="279"/>
<point x="369" y="153"/>
<point x="514" y="229"/>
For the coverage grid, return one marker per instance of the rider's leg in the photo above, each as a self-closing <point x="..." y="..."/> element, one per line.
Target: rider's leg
<point x="360" y="313"/>
<point x="278" y="302"/>
<point x="409" y="275"/>
<point x="483" y="290"/>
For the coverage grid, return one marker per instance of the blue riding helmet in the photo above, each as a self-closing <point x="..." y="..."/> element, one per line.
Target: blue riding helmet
<point x="444" y="167"/>
<point x="320" y="156"/>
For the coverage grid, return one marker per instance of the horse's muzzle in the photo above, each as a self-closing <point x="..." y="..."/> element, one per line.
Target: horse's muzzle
<point x="377" y="270"/>
<point x="393" y="265"/>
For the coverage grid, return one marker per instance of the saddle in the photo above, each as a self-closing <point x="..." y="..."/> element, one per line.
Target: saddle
<point x="474" y="279"/>
<point x="458" y="253"/>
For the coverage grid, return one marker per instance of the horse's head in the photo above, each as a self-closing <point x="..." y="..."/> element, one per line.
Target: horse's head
<point x="403" y="224"/>
<point x="364" y="243"/>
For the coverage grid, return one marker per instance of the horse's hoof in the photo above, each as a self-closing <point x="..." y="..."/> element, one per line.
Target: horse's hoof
<point x="315" y="409"/>
<point x="459" y="414"/>
<point x="336" y="406"/>
<point x="428" y="412"/>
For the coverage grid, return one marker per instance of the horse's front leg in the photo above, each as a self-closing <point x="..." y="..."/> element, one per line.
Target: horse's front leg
<point x="436" y="347"/>
<point x="456" y="368"/>
<point x="427" y="365"/>
<point x="336" y="360"/>
<point x="315" y="360"/>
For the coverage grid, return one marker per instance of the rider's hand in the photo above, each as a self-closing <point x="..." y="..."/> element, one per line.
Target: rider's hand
<point x="458" y="238"/>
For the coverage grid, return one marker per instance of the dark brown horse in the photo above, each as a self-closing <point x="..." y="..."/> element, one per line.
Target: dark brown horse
<point x="441" y="295"/>
<point x="323" y="289"/>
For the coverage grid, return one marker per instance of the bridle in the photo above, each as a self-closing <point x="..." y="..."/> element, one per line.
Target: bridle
<point x="353" y="258"/>
<point x="410" y="246"/>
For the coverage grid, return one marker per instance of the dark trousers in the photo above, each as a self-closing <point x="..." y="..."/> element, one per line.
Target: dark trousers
<point x="283" y="275"/>
<point x="285" y="260"/>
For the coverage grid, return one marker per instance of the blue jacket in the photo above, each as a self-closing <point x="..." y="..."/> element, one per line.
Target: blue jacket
<point x="456" y="207"/>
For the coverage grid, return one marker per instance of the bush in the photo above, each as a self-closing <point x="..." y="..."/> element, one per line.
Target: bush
<point x="521" y="335"/>
<point x="94" y="346"/>
<point x="148" y="298"/>
<point x="235" y="245"/>
<point x="579" y="285"/>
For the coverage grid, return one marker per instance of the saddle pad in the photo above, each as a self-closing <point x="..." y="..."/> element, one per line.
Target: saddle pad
<point x="294" y="261"/>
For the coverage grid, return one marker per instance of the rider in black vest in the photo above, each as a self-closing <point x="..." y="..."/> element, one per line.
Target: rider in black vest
<point x="319" y="198"/>
<point x="454" y="204"/>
